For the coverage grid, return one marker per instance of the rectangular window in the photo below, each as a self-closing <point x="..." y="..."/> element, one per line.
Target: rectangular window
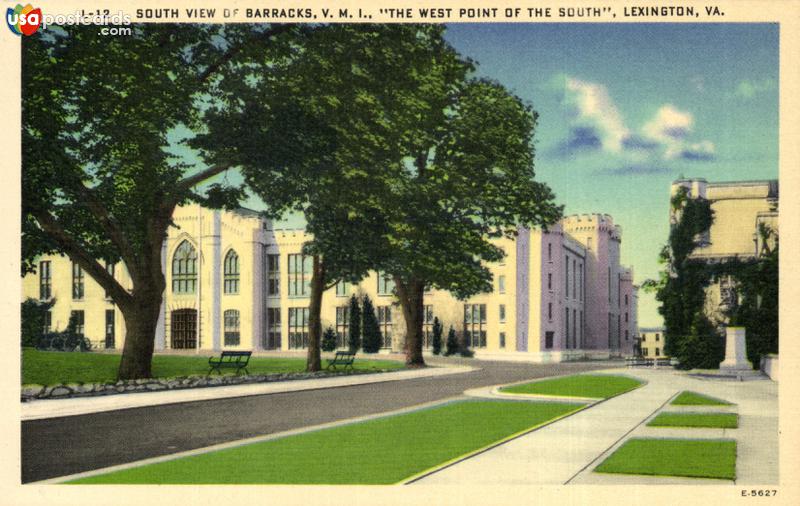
<point x="475" y="325"/>
<point x="627" y="336"/>
<point x="580" y="334"/>
<point x="626" y="317"/>
<point x="588" y="243"/>
<point x="385" y="284"/>
<point x="548" y="339"/>
<point x="110" y="329"/>
<point x="502" y="261"/>
<point x="566" y="329"/>
<point x="502" y="313"/>
<point x="385" y="324"/>
<point x="48" y="322"/>
<point x="626" y="299"/>
<point x="342" y="289"/>
<point x="550" y="311"/>
<point x="231" y="319"/>
<point x="110" y="267"/>
<point x="644" y="352"/>
<point x="79" y="321"/>
<point x="574" y="328"/>
<point x="342" y="325"/>
<point x="580" y="281"/>
<point x="501" y="284"/>
<point x="549" y="251"/>
<point x="300" y="267"/>
<point x="502" y="339"/>
<point x="427" y="326"/>
<point x="549" y="280"/>
<point x="574" y="277"/>
<point x="273" y="328"/>
<point x="658" y="352"/>
<point x="566" y="277"/>
<point x="657" y="337"/>
<point x="273" y="275"/>
<point x="77" y="282"/>
<point x="45" y="280"/>
<point x="298" y="327"/>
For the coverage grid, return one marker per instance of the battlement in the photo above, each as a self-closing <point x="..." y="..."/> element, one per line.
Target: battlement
<point x="603" y="222"/>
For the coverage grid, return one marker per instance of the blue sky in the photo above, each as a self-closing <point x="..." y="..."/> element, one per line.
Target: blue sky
<point x="627" y="108"/>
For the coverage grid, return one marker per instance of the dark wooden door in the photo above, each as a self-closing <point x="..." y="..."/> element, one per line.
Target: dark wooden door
<point x="183" y="329"/>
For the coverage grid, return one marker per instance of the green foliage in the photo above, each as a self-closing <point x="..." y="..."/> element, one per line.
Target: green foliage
<point x="452" y="346"/>
<point x="598" y="386"/>
<point x="437" y="336"/>
<point x="687" y="398"/>
<point x="463" y="347"/>
<point x="354" y="337"/>
<point x="32" y="320"/>
<point x="329" y="339"/>
<point x="372" y="332"/>
<point x="703" y="348"/>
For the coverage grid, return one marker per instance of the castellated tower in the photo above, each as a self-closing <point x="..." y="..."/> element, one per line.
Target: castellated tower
<point x="601" y="237"/>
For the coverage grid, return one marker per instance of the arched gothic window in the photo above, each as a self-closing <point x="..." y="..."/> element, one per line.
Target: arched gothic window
<point x="184" y="269"/>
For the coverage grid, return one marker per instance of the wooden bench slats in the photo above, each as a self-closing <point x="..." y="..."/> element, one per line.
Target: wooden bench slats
<point x="230" y="359"/>
<point x="343" y="358"/>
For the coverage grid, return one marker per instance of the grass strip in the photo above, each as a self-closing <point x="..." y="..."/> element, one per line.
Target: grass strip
<point x="709" y="420"/>
<point x="598" y="386"/>
<point x="687" y="398"/>
<point x="53" y="367"/>
<point x="379" y="451"/>
<point x="674" y="457"/>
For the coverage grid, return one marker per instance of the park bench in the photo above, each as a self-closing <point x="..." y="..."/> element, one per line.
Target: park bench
<point x="342" y="358"/>
<point x="663" y="362"/>
<point x="635" y="361"/>
<point x="230" y="360"/>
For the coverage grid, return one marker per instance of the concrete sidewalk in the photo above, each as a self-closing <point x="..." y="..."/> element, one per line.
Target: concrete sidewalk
<point x="52" y="408"/>
<point x="568" y="450"/>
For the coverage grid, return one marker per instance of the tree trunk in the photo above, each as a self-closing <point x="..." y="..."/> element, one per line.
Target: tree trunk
<point x="141" y="319"/>
<point x="314" y="361"/>
<point x="411" y="293"/>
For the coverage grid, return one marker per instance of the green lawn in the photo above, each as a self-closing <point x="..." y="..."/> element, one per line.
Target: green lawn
<point x="712" y="420"/>
<point x="674" y="457"/>
<point x="52" y="367"/>
<point x="694" y="399"/>
<point x="380" y="451"/>
<point x="598" y="386"/>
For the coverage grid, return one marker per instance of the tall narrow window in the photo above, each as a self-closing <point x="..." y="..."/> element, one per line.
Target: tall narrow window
<point x="501" y="284"/>
<point x="231" y="318"/>
<point x="342" y="325"/>
<point x="549" y="280"/>
<point x="77" y="282"/>
<point x="427" y="326"/>
<point x="626" y="299"/>
<point x="300" y="268"/>
<point x="385" y="324"/>
<point x="273" y="275"/>
<point x="566" y="277"/>
<point x="385" y="284"/>
<point x="566" y="332"/>
<point x="48" y="322"/>
<point x="342" y="288"/>
<point x="574" y="328"/>
<point x="231" y="273"/>
<point x="580" y="281"/>
<point x="110" y="329"/>
<point x="273" y="328"/>
<point x="502" y="313"/>
<point x="184" y="269"/>
<point x="110" y="268"/>
<point x="79" y="321"/>
<point x="574" y="277"/>
<point x="550" y="311"/>
<point x="548" y="339"/>
<point x="45" y="280"/>
<point x="298" y="327"/>
<point x="502" y="339"/>
<point x="549" y="251"/>
<point x="475" y="325"/>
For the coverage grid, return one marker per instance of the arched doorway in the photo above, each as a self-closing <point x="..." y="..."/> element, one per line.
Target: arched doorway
<point x="183" y="329"/>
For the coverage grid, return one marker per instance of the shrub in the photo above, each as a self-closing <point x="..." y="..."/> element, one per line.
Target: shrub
<point x="354" y="337"/>
<point x="452" y="342"/>
<point x="463" y="349"/>
<point x="703" y="348"/>
<point x="437" y="336"/>
<point x="329" y="339"/>
<point x="372" y="331"/>
<point x="32" y="319"/>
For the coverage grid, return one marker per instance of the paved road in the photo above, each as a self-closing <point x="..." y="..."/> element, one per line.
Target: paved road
<point x="61" y="446"/>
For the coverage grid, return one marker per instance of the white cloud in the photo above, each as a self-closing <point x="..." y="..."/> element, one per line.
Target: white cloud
<point x="592" y="107"/>
<point x="671" y="127"/>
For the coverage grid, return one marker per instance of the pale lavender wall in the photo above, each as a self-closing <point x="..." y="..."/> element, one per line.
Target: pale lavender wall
<point x="523" y="286"/>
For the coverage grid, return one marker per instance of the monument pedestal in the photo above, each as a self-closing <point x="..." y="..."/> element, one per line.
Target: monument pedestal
<point x="735" y="353"/>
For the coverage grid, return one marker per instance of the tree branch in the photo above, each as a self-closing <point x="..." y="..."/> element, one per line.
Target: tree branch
<point x="82" y="257"/>
<point x="188" y="182"/>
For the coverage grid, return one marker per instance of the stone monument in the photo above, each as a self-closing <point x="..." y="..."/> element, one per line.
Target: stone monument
<point x="735" y="353"/>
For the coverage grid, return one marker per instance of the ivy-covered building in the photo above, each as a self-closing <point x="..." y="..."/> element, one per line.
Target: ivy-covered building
<point x="236" y="282"/>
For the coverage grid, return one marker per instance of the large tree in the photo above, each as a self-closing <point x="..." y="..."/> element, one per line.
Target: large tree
<point x="470" y="179"/>
<point x="324" y="135"/>
<point x="100" y="178"/>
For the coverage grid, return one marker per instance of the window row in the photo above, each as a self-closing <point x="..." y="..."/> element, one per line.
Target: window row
<point x="184" y="270"/>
